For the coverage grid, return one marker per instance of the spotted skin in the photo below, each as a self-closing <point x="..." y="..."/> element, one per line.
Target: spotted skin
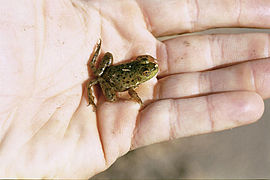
<point x="119" y="78"/>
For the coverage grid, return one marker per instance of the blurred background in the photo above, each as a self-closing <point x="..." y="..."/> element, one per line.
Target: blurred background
<point x="242" y="152"/>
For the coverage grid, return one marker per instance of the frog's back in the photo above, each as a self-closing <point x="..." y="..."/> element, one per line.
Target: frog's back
<point x="122" y="77"/>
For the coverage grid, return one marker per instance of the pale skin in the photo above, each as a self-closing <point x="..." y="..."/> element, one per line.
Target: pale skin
<point x="46" y="128"/>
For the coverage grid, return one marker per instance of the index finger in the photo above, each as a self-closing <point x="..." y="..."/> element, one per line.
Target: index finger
<point x="174" y="17"/>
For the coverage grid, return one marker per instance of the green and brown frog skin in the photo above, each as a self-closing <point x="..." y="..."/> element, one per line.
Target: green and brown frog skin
<point x="119" y="78"/>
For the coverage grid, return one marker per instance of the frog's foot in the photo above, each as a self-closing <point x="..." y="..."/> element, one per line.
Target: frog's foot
<point x="91" y="102"/>
<point x="90" y="93"/>
<point x="135" y="96"/>
<point x="94" y="58"/>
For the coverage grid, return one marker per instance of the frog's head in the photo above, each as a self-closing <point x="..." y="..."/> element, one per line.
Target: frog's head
<point x="147" y="67"/>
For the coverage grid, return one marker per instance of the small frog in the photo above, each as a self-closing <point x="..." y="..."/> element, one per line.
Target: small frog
<point x="119" y="78"/>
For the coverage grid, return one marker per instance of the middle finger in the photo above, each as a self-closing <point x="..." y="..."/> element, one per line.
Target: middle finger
<point x="203" y="52"/>
<point x="248" y="76"/>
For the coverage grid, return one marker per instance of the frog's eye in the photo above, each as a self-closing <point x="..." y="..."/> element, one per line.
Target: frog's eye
<point x="146" y="73"/>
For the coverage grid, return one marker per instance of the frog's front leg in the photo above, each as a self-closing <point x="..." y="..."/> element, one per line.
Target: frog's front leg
<point x="107" y="90"/>
<point x="134" y="96"/>
<point x="90" y="93"/>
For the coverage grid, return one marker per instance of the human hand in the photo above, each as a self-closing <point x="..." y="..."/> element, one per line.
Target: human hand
<point x="47" y="129"/>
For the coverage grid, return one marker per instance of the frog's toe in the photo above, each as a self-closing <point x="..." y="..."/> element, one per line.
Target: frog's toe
<point x="94" y="107"/>
<point x="139" y="101"/>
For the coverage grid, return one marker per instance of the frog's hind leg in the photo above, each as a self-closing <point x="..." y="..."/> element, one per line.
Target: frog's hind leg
<point x="108" y="91"/>
<point x="106" y="61"/>
<point x="90" y="92"/>
<point x="94" y="58"/>
<point x="134" y="96"/>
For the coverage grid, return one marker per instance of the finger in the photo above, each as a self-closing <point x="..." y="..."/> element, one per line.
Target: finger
<point x="198" y="53"/>
<point x="173" y="17"/>
<point x="170" y="119"/>
<point x="116" y="122"/>
<point x="249" y="76"/>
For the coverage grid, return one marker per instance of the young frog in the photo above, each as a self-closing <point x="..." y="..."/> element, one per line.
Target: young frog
<point x="119" y="78"/>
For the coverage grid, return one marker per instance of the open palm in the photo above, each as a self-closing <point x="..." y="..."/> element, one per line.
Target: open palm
<point x="206" y="83"/>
